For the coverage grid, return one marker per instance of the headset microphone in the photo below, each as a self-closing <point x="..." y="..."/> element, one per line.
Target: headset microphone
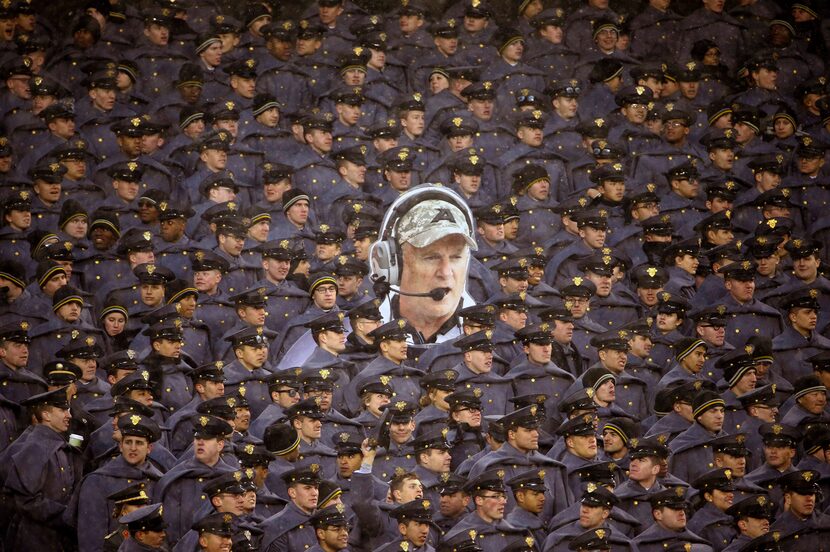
<point x="382" y="288"/>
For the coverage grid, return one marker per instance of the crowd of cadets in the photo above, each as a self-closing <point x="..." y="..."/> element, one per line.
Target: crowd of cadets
<point x="188" y="194"/>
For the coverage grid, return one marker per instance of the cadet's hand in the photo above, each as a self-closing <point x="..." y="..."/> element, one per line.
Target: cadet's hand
<point x="369" y="451"/>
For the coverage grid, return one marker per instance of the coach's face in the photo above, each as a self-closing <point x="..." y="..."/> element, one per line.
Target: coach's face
<point x="442" y="264"/>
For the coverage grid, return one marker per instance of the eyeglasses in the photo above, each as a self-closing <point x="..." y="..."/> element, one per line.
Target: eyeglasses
<point x="471" y="409"/>
<point x="675" y="124"/>
<point x="498" y="496"/>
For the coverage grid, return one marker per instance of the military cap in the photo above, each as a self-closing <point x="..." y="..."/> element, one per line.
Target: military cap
<point x="632" y="95"/>
<point x="484" y="315"/>
<point x="579" y="286"/>
<point x="673" y="498"/>
<point x="760" y="395"/>
<point x="608" y="171"/>
<point x="809" y="147"/>
<point x="777" y="197"/>
<point x="539" y="334"/>
<point x="478" y="341"/>
<point x="146" y="518"/>
<point x="820" y="361"/>
<point x="647" y="447"/>
<point x="614" y="339"/>
<point x="723" y="189"/>
<point x="468" y="161"/>
<point x="762" y="247"/>
<point x="579" y="426"/>
<point x="355" y="59"/>
<point x="217" y="140"/>
<point x="718" y="479"/>
<point x="443" y="379"/>
<point x="244" y="68"/>
<point x="131" y="494"/>
<point x="741" y="270"/>
<point x="490" y="480"/>
<point x="490" y="214"/>
<point x="480" y="90"/>
<point x="598" y="496"/>
<point x="57" y="110"/>
<point x="705" y="401"/>
<point x="467" y="399"/>
<point x="80" y="345"/>
<point x="139" y="426"/>
<point x="402" y="411"/>
<point x="213" y="371"/>
<point x="754" y="506"/>
<point x="777" y="226"/>
<point x="722" y="220"/>
<point x="519" y="302"/>
<point x="59" y="373"/>
<point x="124" y="359"/>
<point x="804" y="298"/>
<point x="804" y="385"/>
<point x="414" y="510"/>
<point x="17" y="66"/>
<point x="527" y="97"/>
<point x="41" y="86"/>
<point x="800" y="248"/>
<point x="598" y="473"/>
<point x="281" y="438"/>
<point x="66" y="295"/>
<point x="254" y="336"/>
<point x="210" y="427"/>
<point x="105" y="80"/>
<point x="309" y="408"/>
<point x="284" y="31"/>
<point x="330" y="516"/>
<point x="253" y="297"/>
<point x="398" y="159"/>
<point x="532" y="479"/>
<point x="305" y="475"/>
<point x="779" y="434"/>
<point x="513" y="267"/>
<point x="56" y="398"/>
<point x="325" y="234"/>
<point x="167" y="329"/>
<point x="465" y="541"/>
<point x="432" y="440"/>
<point x="450" y="483"/>
<point x="599" y="263"/>
<point x="222" y="407"/>
<point x="445" y="28"/>
<point x="551" y="16"/>
<point x="395" y="330"/>
<point x="223" y="111"/>
<point x="149" y="273"/>
<point x="458" y="125"/>
<point x="531" y="119"/>
<point x="582" y="399"/>
<point x="203" y="260"/>
<point x="220" y="524"/>
<point x="567" y="88"/>
<point x="773" y="163"/>
<point x="55" y="251"/>
<point x="595" y="218"/>
<point x="388" y="129"/>
<point x="139" y="379"/>
<point x="48" y="170"/>
<point x="346" y="265"/>
<point x="349" y="95"/>
<point x="649" y="277"/>
<point x="317" y="379"/>
<point x="803" y="482"/>
<point x="528" y="417"/>
<point x="346" y="443"/>
<point x="410" y="102"/>
<point x="594" y="539"/>
<point x="368" y="309"/>
<point x="227" y="483"/>
<point x="225" y="24"/>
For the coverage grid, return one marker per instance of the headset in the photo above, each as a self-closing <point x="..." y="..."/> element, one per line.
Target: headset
<point x="385" y="258"/>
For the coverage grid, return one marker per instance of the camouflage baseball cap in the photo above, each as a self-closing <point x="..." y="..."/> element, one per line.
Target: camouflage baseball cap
<point x="431" y="220"/>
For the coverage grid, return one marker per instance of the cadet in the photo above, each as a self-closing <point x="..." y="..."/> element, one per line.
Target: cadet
<point x="746" y="314"/>
<point x="290" y="528"/>
<point x="780" y="445"/>
<point x="391" y="340"/>
<point x="752" y="517"/>
<point x="493" y="533"/>
<point x="414" y="521"/>
<point x="476" y="372"/>
<point x="809" y="399"/>
<point x="331" y="529"/>
<point x="669" y="513"/>
<point x="249" y="373"/>
<point x="711" y="521"/>
<point x="180" y="488"/>
<point x="799" y="341"/>
<point x="42" y="476"/>
<point x="91" y="507"/>
<point x="536" y="373"/>
<point x="800" y="490"/>
<point x="20" y="383"/>
<point x="146" y="528"/>
<point x="691" y="450"/>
